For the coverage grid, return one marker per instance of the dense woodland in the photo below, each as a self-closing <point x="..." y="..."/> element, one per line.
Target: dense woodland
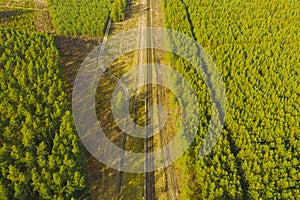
<point x="40" y="156"/>
<point x="85" y="17"/>
<point x="79" y="17"/>
<point x="255" y="45"/>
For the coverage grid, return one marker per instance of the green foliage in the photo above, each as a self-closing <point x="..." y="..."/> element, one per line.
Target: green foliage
<point x="79" y="17"/>
<point x="117" y="10"/>
<point x="39" y="149"/>
<point x="255" y="45"/>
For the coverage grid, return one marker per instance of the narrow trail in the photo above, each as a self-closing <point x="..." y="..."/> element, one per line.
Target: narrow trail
<point x="234" y="149"/>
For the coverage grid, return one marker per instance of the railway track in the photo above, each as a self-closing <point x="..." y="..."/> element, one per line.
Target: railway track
<point x="149" y="160"/>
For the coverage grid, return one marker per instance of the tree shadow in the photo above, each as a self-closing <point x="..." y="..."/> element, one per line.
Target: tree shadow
<point x="73" y="52"/>
<point x="7" y="14"/>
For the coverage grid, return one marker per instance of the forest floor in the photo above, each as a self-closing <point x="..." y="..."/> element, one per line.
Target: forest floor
<point x="112" y="183"/>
